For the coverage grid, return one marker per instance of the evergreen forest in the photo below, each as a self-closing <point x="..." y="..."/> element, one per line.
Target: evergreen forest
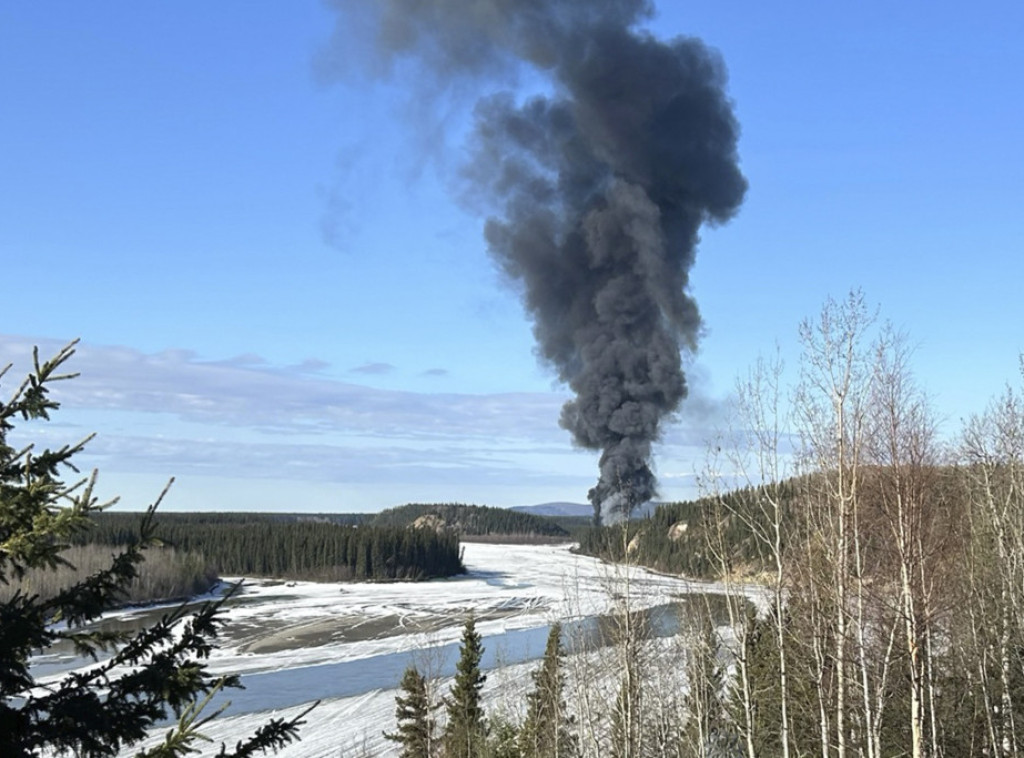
<point x="477" y="522"/>
<point x="272" y="545"/>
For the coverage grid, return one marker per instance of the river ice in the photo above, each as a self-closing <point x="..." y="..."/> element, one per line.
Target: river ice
<point x="347" y="644"/>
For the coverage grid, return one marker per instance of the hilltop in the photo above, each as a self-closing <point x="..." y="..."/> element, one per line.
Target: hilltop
<point x="475" y="522"/>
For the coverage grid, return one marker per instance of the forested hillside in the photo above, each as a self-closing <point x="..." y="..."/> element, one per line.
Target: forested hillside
<point x="475" y="521"/>
<point x="693" y="537"/>
<point x="890" y="562"/>
<point x="237" y="544"/>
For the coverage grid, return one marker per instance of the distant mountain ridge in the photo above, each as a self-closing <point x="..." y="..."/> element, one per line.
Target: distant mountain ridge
<point x="560" y="508"/>
<point x="576" y="510"/>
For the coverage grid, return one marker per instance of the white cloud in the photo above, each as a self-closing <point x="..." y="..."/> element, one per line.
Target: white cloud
<point x="248" y="392"/>
<point x="373" y="369"/>
<point x="172" y="413"/>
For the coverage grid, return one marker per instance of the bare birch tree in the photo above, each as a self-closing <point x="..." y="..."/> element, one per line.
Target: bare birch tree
<point x="760" y="454"/>
<point x="904" y="458"/>
<point x="831" y="407"/>
<point x="993" y="455"/>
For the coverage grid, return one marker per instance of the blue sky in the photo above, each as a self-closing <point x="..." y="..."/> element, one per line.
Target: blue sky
<point x="283" y="304"/>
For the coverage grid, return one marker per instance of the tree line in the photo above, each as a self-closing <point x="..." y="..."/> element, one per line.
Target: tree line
<point x="273" y="545"/>
<point x="675" y="538"/>
<point x="893" y="563"/>
<point x="890" y="562"/>
<point x="474" y="521"/>
<point x="167" y="574"/>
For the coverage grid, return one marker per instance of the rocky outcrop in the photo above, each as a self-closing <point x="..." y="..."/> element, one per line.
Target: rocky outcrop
<point x="677" y="531"/>
<point x="430" y="521"/>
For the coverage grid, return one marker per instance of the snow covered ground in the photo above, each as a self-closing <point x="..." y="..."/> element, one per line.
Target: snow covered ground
<point x="508" y="587"/>
<point x="348" y="644"/>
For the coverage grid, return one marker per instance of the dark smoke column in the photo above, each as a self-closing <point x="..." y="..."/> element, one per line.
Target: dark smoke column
<point x="602" y="188"/>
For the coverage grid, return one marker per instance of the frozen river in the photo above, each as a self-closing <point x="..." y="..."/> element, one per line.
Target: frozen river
<point x="348" y="644"/>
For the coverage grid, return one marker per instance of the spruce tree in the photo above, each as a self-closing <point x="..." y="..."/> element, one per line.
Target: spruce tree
<point x="465" y="734"/>
<point x="415" y="725"/>
<point x="155" y="674"/>
<point x="762" y="661"/>
<point x="503" y="740"/>
<point x="546" y="732"/>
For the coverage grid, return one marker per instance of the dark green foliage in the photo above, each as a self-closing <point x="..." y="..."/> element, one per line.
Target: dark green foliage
<point x="465" y="734"/>
<point x="155" y="674"/>
<point x="277" y="732"/>
<point x="474" y="520"/>
<point x="762" y="659"/>
<point x="706" y="728"/>
<point x="413" y="710"/>
<point x="503" y="741"/>
<point x="676" y="537"/>
<point x="275" y="545"/>
<point x="547" y="730"/>
<point x="804" y="672"/>
<point x="575" y="526"/>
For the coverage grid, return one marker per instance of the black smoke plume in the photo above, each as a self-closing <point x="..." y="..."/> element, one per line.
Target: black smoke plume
<point x="602" y="186"/>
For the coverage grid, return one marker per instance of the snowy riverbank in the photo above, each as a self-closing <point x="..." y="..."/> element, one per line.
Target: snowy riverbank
<point x="347" y="644"/>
